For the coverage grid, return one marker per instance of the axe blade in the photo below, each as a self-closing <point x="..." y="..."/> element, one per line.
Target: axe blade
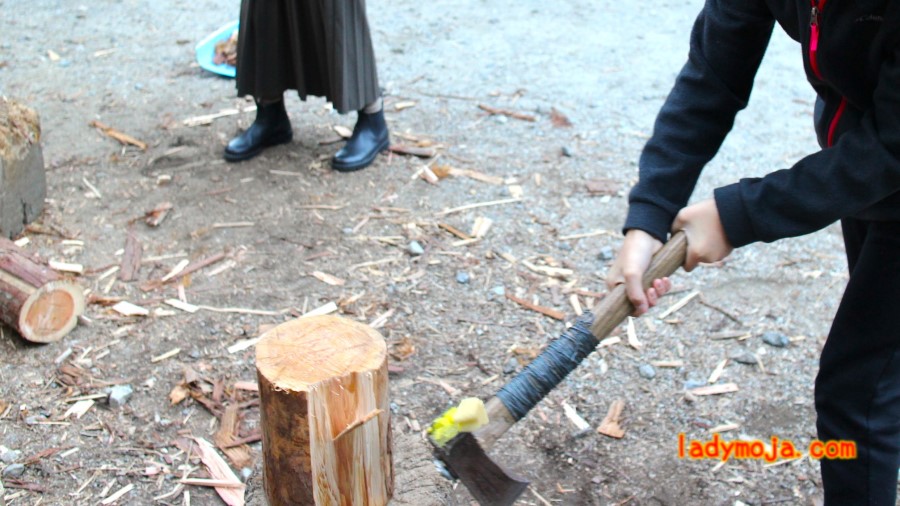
<point x="488" y="482"/>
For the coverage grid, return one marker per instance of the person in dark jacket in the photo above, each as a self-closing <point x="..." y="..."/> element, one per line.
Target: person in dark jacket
<point x="317" y="47"/>
<point x="851" y="56"/>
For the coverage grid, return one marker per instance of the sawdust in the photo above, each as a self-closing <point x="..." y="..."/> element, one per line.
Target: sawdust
<point x="20" y="128"/>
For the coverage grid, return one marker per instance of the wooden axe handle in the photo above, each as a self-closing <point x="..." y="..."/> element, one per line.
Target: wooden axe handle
<point x="608" y="313"/>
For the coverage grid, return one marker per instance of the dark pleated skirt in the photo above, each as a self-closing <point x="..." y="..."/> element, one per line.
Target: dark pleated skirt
<point x="317" y="47"/>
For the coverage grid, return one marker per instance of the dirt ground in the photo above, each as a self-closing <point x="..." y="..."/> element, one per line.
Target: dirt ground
<point x="559" y="194"/>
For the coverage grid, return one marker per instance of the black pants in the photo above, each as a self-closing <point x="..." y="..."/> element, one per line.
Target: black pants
<point x="858" y="386"/>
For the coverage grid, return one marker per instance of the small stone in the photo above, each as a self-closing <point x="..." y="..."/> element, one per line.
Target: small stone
<point x="511" y="365"/>
<point x="647" y="371"/>
<point x="415" y="248"/>
<point x="606" y="254"/>
<point x="347" y="231"/>
<point x="14" y="471"/>
<point x="194" y="354"/>
<point x="246" y="473"/>
<point x="564" y="246"/>
<point x="33" y="420"/>
<point x="499" y="290"/>
<point x="566" y="151"/>
<point x="395" y="409"/>
<point x="119" y="395"/>
<point x="692" y="384"/>
<point x="10" y="456"/>
<point x="462" y="277"/>
<point x="499" y="118"/>
<point x="776" y="339"/>
<point x="744" y="357"/>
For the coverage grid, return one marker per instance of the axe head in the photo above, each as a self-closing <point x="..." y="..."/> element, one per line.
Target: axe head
<point x="488" y="482"/>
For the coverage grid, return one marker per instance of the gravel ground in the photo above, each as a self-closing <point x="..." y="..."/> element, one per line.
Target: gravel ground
<point x="606" y="66"/>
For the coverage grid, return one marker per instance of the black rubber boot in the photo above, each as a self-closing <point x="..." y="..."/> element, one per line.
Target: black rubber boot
<point x="271" y="127"/>
<point x="370" y="137"/>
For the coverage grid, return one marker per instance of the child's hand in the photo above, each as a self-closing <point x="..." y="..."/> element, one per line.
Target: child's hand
<point x="707" y="241"/>
<point x="628" y="269"/>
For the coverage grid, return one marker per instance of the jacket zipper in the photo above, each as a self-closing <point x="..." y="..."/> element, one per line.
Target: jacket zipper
<point x="815" y="13"/>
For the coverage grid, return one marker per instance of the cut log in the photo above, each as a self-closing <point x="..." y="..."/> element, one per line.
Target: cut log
<point x="325" y="417"/>
<point x="23" y="184"/>
<point x="36" y="301"/>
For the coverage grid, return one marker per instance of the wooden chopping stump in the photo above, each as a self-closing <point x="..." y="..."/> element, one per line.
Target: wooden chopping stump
<point x="325" y="416"/>
<point x="23" y="184"/>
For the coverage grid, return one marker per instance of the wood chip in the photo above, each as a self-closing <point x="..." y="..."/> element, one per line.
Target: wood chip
<point x="126" y="308"/>
<point x="574" y="417"/>
<point x="576" y="304"/>
<point x="207" y="119"/>
<point x="717" y="372"/>
<point x="123" y="138"/>
<point x="472" y="174"/>
<point x="553" y="272"/>
<point x="477" y="205"/>
<point x="343" y="131"/>
<point x="66" y="267"/>
<point x="603" y="187"/>
<point x="205" y="482"/>
<point x="399" y="106"/>
<point x="674" y="364"/>
<point x="610" y="425"/>
<point x="184" y="306"/>
<point x="179" y="267"/>
<point x="678" y="305"/>
<point x="164" y="356"/>
<point x="131" y="258"/>
<point x="481" y="226"/>
<point x="609" y="341"/>
<point x="730" y="334"/>
<point x="559" y="119"/>
<point x="454" y="392"/>
<point x="632" y="334"/>
<point x="421" y="152"/>
<point x="546" y="311"/>
<point x="724" y="428"/>
<point x="156" y="216"/>
<point x="428" y="175"/>
<point x="118" y="495"/>
<point x="328" y="278"/>
<point x="504" y="112"/>
<point x="722" y="388"/>
<point x="218" y="469"/>
<point x="79" y="408"/>
<point x="455" y="231"/>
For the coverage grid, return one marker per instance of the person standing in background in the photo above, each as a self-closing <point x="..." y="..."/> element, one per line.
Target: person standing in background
<point x="316" y="47"/>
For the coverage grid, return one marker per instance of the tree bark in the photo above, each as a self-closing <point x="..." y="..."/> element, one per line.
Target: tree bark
<point x="40" y="304"/>
<point x="325" y="416"/>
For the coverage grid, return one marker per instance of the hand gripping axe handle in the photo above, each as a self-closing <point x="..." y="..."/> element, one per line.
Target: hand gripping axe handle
<point x="465" y="455"/>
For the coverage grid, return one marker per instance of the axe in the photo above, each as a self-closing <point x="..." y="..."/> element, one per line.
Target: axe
<point x="464" y="452"/>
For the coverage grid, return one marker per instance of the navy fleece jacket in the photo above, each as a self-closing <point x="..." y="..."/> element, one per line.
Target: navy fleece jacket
<point x="855" y="71"/>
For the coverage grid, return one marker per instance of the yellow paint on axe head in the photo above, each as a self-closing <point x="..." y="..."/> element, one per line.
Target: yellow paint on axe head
<point x="469" y="416"/>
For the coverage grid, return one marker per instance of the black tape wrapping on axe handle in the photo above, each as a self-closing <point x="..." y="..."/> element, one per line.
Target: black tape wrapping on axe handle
<point x="546" y="371"/>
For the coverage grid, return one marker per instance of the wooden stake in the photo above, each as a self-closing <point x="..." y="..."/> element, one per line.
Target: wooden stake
<point x="325" y="417"/>
<point x="36" y="301"/>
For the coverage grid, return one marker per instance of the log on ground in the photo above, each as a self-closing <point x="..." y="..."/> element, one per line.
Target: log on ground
<point x="38" y="303"/>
